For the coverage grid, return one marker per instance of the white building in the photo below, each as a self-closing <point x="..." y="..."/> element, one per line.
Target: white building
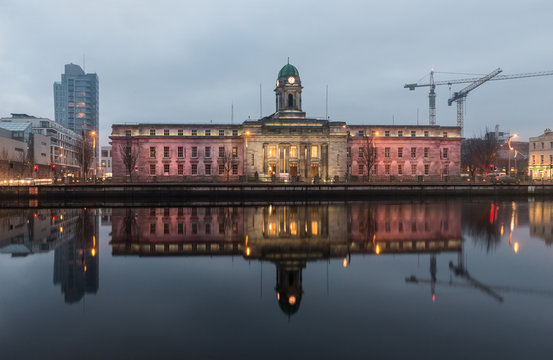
<point x="105" y="162"/>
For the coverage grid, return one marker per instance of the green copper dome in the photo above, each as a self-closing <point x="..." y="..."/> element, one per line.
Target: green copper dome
<point x="288" y="70"/>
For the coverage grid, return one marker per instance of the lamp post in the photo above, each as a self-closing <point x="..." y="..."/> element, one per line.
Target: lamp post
<point x="510" y="148"/>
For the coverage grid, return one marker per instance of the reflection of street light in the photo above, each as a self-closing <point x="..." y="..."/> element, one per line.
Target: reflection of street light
<point x="510" y="148"/>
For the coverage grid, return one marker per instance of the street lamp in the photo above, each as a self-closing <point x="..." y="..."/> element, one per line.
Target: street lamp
<point x="246" y="134"/>
<point x="510" y="148"/>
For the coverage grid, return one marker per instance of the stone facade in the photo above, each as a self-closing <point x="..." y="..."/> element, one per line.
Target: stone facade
<point x="287" y="145"/>
<point x="540" y="162"/>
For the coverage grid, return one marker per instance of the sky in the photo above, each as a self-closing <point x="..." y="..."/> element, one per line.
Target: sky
<point x="191" y="61"/>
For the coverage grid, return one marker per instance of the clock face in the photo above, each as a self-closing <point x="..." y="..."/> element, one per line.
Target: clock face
<point x="291" y="80"/>
<point x="278" y="83"/>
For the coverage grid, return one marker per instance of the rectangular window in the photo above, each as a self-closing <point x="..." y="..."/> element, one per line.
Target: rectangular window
<point x="194" y="169"/>
<point x="314" y="151"/>
<point x="413" y="169"/>
<point x="426" y="133"/>
<point x="234" y="132"/>
<point x="534" y="145"/>
<point x="221" y="169"/>
<point x="541" y="159"/>
<point x="426" y="152"/>
<point x="361" y="169"/>
<point x="221" y="132"/>
<point x="194" y="151"/>
<point x="194" y="228"/>
<point x="166" y="151"/>
<point x="181" y="169"/>
<point x="127" y="133"/>
<point x="152" y="132"/>
<point x="542" y="145"/>
<point x="272" y="151"/>
<point x="253" y="155"/>
<point x="208" y="228"/>
<point x="400" y="169"/>
<point x="234" y="169"/>
<point x="166" y="228"/>
<point x="413" y="153"/>
<point x="387" y="153"/>
<point x="400" y="153"/>
<point x="180" y="228"/>
<point x="445" y="133"/>
<point x="180" y="132"/>
<point x="413" y="133"/>
<point x="551" y="145"/>
<point x="533" y="159"/>
<point x="445" y="153"/>
<point x="221" y="228"/>
<point x="166" y="169"/>
<point x="400" y="133"/>
<point x="208" y="169"/>
<point x="361" y="133"/>
<point x="426" y="169"/>
<point x="387" y="133"/>
<point x="152" y="228"/>
<point x="293" y="151"/>
<point x="234" y="152"/>
<point x="207" y="151"/>
<point x="152" y="169"/>
<point x="208" y="133"/>
<point x="551" y="159"/>
<point x="194" y="132"/>
<point x="361" y="153"/>
<point x="221" y="151"/>
<point x="446" y="170"/>
<point x="180" y="152"/>
<point x="375" y="170"/>
<point x="152" y="152"/>
<point x="387" y="169"/>
<point x="166" y="132"/>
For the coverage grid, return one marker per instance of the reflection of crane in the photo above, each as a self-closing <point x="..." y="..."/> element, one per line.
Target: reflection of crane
<point x="461" y="95"/>
<point x="432" y="84"/>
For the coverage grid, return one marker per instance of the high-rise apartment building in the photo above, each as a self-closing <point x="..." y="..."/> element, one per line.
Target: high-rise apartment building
<point x="76" y="101"/>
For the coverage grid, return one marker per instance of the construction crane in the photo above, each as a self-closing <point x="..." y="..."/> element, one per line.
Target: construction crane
<point x="432" y="84"/>
<point x="460" y="96"/>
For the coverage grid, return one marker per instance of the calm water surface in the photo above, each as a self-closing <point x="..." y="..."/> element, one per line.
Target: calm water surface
<point x="447" y="279"/>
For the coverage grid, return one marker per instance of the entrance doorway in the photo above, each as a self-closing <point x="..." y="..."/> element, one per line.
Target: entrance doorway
<point x="272" y="169"/>
<point x="314" y="170"/>
<point x="293" y="170"/>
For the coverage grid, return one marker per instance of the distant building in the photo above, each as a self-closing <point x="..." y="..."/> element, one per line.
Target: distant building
<point x="59" y="144"/>
<point x="541" y="156"/>
<point x="105" y="162"/>
<point x="287" y="144"/>
<point x="76" y="100"/>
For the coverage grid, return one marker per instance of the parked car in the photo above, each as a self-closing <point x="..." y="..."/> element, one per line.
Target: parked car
<point x="503" y="179"/>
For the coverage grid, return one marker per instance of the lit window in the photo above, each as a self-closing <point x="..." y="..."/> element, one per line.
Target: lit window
<point x="80" y="115"/>
<point x="272" y="151"/>
<point x="234" y="152"/>
<point x="152" y="152"/>
<point x="314" y="228"/>
<point x="293" y="228"/>
<point x="293" y="151"/>
<point x="315" y="151"/>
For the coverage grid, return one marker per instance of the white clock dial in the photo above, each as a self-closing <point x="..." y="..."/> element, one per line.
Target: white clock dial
<point x="291" y="80"/>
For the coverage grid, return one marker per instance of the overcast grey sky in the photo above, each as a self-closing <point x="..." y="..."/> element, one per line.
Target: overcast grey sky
<point x="188" y="61"/>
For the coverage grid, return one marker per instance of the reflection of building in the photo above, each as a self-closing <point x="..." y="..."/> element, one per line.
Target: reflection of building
<point x="541" y="220"/>
<point x="287" y="144"/>
<point x="76" y="263"/>
<point x="289" y="236"/>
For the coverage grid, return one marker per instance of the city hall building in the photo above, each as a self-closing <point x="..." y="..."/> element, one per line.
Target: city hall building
<point x="285" y="145"/>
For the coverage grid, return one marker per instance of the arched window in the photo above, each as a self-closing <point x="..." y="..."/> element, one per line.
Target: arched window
<point x="290" y="100"/>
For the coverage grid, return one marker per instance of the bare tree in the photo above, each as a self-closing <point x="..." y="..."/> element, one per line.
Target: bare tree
<point x="367" y="156"/>
<point x="129" y="156"/>
<point x="84" y="154"/>
<point x="480" y="152"/>
<point x="227" y="162"/>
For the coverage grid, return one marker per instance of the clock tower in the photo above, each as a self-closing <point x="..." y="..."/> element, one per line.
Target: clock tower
<point x="288" y="93"/>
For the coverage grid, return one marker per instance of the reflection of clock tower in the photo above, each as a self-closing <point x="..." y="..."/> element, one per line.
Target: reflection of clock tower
<point x="288" y="93"/>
